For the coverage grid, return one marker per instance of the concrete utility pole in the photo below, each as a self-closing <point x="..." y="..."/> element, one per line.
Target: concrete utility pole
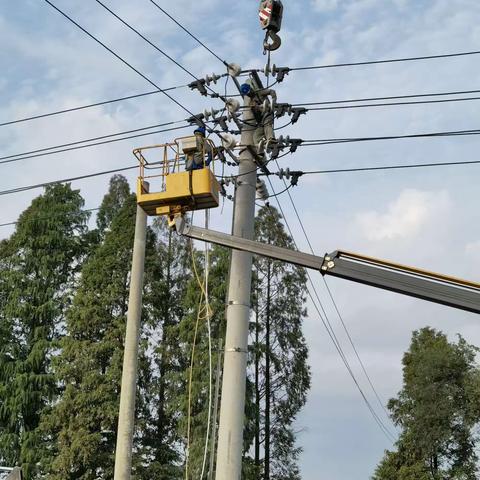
<point x="126" y="418"/>
<point x="232" y="410"/>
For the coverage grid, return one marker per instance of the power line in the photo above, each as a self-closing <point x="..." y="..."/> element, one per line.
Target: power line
<point x="45" y="217"/>
<point x="331" y="333"/>
<point x="350" y="339"/>
<point x="65" y="180"/>
<point x="392" y="97"/>
<point x="215" y="94"/>
<point x="143" y="37"/>
<point x="91" y="105"/>
<point x="156" y="47"/>
<point x="129" y="65"/>
<point x="78" y="142"/>
<point x="7" y="224"/>
<point x="328" y="141"/>
<point x="352" y="343"/>
<point x="189" y="33"/>
<point x="391" y="167"/>
<point x="392" y="104"/>
<point x="89" y="145"/>
<point x="392" y="60"/>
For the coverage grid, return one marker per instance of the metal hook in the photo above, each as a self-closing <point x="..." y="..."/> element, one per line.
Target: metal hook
<point x="276" y="41"/>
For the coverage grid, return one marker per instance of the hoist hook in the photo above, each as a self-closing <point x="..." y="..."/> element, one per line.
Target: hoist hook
<point x="276" y="41"/>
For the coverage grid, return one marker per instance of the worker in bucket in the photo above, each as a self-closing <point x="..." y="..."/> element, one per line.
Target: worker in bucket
<point x="202" y="156"/>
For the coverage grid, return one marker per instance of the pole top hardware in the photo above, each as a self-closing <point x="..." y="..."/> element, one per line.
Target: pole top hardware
<point x="277" y="72"/>
<point x="285" y="108"/>
<point x="234" y="69"/>
<point x="292" y="175"/>
<point x="274" y="148"/>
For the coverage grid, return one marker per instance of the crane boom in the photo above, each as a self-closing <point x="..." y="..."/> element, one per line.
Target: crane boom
<point x="414" y="282"/>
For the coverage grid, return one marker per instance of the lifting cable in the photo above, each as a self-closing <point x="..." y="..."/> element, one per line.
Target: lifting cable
<point x="204" y="312"/>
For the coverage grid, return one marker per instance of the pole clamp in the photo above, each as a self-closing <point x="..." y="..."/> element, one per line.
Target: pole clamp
<point x="236" y="350"/>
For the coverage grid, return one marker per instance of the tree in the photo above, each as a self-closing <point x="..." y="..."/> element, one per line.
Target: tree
<point x="279" y="354"/>
<point x="191" y="335"/>
<point x="81" y="426"/>
<point x="39" y="266"/>
<point x="167" y="277"/>
<point x="437" y="410"/>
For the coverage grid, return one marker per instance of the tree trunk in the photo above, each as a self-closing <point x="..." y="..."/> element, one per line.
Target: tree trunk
<point x="257" y="389"/>
<point x="163" y="363"/>
<point x="267" y="377"/>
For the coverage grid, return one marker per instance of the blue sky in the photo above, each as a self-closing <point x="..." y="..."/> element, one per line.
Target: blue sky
<point x="428" y="217"/>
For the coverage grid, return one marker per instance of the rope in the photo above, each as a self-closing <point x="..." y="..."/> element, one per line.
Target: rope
<point x="204" y="312"/>
<point x="209" y="329"/>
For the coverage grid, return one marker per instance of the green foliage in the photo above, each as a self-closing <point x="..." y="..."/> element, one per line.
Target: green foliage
<point x="279" y="353"/>
<point x="437" y="410"/>
<point x="184" y="332"/>
<point x="63" y="304"/>
<point x="39" y="264"/>
<point x="158" y="436"/>
<point x="84" y="421"/>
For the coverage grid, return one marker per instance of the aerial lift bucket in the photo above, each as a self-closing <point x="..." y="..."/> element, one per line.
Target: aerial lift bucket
<point x="164" y="187"/>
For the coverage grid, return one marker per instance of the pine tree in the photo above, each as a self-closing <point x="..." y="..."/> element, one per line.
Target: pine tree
<point x="167" y="277"/>
<point x="184" y="332"/>
<point x="437" y="410"/>
<point x="39" y="264"/>
<point x="279" y="354"/>
<point x="83" y="423"/>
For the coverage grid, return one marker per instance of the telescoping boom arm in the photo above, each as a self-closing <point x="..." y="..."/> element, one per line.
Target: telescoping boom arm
<point x="413" y="282"/>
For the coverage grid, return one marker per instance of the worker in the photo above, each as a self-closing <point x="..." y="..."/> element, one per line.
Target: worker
<point x="264" y="134"/>
<point x="202" y="156"/>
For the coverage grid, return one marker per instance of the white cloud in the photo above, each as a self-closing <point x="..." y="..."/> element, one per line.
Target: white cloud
<point x="473" y="248"/>
<point x="326" y="5"/>
<point x="405" y="216"/>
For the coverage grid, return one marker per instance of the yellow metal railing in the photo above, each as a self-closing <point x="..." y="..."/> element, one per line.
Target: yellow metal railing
<point x="173" y="160"/>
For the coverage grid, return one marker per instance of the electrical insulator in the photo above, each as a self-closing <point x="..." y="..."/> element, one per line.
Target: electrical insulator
<point x="212" y="79"/>
<point x="228" y="141"/>
<point x="262" y="192"/>
<point x="233" y="105"/>
<point x="234" y="70"/>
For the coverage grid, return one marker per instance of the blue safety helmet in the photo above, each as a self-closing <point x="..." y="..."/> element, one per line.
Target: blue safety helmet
<point x="201" y="130"/>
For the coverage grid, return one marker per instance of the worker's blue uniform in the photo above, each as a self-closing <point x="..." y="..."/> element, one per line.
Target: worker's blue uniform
<point x="196" y="160"/>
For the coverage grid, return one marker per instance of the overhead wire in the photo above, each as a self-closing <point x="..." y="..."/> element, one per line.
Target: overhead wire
<point x="93" y="139"/>
<point x="46" y="217"/>
<point x="143" y="37"/>
<point x="329" y="141"/>
<point x="116" y="55"/>
<point x="394" y="104"/>
<point x="331" y="333"/>
<point x="391" y="167"/>
<point x="391" y="60"/>
<point x="89" y="145"/>
<point x="84" y="107"/>
<point x="390" y="97"/>
<point x="340" y="316"/>
<point x="65" y="180"/>
<point x="188" y="32"/>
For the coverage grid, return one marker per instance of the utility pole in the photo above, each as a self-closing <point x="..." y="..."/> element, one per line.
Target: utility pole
<point x="126" y="418"/>
<point x="232" y="409"/>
